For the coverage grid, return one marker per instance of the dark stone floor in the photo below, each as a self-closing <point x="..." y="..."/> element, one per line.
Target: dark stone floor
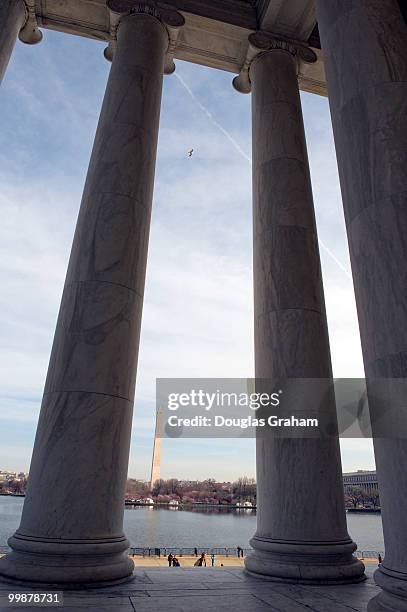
<point x="211" y="590"/>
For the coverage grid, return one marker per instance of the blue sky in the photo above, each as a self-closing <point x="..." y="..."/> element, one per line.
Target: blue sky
<point x="198" y="310"/>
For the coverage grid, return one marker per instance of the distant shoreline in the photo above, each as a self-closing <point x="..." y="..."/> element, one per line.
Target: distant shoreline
<point x="12" y="494"/>
<point x="190" y="505"/>
<point x="219" y="506"/>
<point x="362" y="510"/>
<point x="163" y="505"/>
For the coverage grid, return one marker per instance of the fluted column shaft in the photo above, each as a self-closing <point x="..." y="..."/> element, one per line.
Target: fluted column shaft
<point x="301" y="528"/>
<point x="365" y="53"/>
<point x="12" y="18"/>
<point x="73" y="513"/>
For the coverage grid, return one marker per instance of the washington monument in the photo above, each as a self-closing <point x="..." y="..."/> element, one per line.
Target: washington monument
<point x="156" y="461"/>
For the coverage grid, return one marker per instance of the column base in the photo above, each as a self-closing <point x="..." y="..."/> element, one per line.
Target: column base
<point x="66" y="563"/>
<point x="394" y="595"/>
<point x="305" y="563"/>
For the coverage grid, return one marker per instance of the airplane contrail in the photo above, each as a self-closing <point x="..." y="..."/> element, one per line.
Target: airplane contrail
<point x="212" y="120"/>
<point x="243" y="154"/>
<point x="335" y="259"/>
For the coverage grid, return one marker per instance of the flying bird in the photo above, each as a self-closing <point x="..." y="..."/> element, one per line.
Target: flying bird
<point x="190" y="153"/>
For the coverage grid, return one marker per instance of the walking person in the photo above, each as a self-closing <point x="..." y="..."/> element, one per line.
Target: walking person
<point x="212" y="560"/>
<point x="195" y="551"/>
<point x="170" y="559"/>
<point x="238" y="549"/>
<point x="379" y="558"/>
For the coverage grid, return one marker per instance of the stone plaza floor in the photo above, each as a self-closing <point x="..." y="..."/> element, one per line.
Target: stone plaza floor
<point x="211" y="590"/>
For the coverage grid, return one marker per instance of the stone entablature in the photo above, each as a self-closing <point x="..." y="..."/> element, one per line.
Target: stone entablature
<point x="215" y="32"/>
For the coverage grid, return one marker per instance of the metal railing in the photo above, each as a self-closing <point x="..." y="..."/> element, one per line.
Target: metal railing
<point x="164" y="551"/>
<point x="368" y="554"/>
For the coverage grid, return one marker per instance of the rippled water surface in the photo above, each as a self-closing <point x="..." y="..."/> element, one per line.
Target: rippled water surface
<point x="188" y="528"/>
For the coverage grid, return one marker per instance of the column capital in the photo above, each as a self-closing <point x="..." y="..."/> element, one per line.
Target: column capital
<point x="261" y="42"/>
<point x="30" y="34"/>
<point x="168" y="16"/>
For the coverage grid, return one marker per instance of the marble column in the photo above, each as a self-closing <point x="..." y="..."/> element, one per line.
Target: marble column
<point x="71" y="529"/>
<point x="365" y="52"/>
<point x="301" y="528"/>
<point x="17" y="18"/>
<point x="12" y="19"/>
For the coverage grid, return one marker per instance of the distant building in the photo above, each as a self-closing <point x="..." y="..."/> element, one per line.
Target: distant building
<point x="362" y="479"/>
<point x="245" y="504"/>
<point x="7" y="476"/>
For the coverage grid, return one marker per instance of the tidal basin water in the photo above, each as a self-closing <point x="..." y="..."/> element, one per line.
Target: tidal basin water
<point x="161" y="527"/>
